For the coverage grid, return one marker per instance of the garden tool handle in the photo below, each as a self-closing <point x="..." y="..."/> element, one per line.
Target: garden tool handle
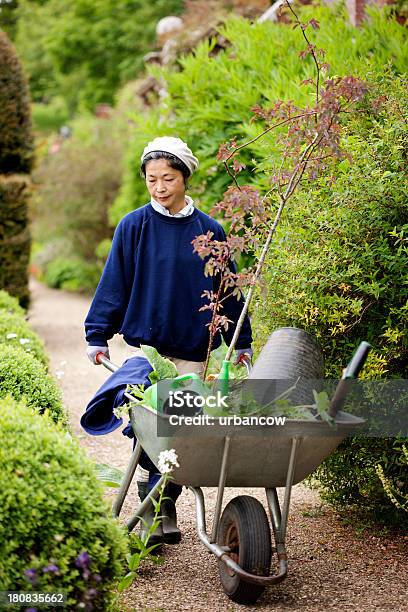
<point x="358" y="360"/>
<point x="349" y="375"/>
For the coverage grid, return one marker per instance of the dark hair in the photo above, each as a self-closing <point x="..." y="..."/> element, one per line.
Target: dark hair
<point x="174" y="162"/>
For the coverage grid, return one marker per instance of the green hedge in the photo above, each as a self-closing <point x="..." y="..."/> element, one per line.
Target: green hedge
<point x="23" y="376"/>
<point x="16" y="159"/>
<point x="55" y="529"/>
<point x="15" y="331"/>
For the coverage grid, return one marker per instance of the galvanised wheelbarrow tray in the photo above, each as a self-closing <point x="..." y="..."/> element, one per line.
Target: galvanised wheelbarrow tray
<point x="267" y="457"/>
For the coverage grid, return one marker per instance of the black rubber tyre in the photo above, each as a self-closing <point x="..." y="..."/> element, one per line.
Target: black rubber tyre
<point x="244" y="528"/>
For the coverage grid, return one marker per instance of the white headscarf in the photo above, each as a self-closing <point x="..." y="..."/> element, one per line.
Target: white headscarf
<point x="176" y="147"/>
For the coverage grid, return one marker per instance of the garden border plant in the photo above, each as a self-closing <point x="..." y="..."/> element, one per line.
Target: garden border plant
<point x="56" y="531"/>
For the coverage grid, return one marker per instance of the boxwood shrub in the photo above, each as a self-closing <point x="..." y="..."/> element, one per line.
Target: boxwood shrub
<point x="56" y="531"/>
<point x="22" y="375"/>
<point x="10" y="304"/>
<point x="15" y="331"/>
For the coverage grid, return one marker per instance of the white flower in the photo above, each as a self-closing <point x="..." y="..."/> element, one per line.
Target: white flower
<point x="59" y="374"/>
<point x="24" y="340"/>
<point x="167" y="461"/>
<point x="10" y="336"/>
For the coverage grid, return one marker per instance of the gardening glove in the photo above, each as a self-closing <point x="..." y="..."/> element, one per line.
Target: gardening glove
<point x="243" y="354"/>
<point x="92" y="352"/>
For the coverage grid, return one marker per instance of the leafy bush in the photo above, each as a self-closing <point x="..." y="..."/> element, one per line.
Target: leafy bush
<point x="14" y="331"/>
<point x="337" y="268"/>
<point x="10" y="304"/>
<point x="72" y="274"/>
<point x="210" y="98"/>
<point x="349" y="479"/>
<point x="55" y="529"/>
<point x="22" y="376"/>
<point x="76" y="186"/>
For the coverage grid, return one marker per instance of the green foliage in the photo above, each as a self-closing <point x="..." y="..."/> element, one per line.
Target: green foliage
<point x="16" y="152"/>
<point x="110" y="476"/>
<point x="140" y="549"/>
<point x="85" y="50"/>
<point x="163" y="367"/>
<point x="49" y="117"/>
<point x="10" y="304"/>
<point x="55" y="529"/>
<point x="210" y="98"/>
<point x="76" y="185"/>
<point x="8" y="18"/>
<point x="22" y="376"/>
<point x="349" y="479"/>
<point x="394" y="490"/>
<point x="338" y="269"/>
<point x="72" y="274"/>
<point x="15" y="332"/>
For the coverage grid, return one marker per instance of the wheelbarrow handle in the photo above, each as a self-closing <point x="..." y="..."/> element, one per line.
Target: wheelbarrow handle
<point x="101" y="358"/>
<point x="350" y="373"/>
<point x="245" y="360"/>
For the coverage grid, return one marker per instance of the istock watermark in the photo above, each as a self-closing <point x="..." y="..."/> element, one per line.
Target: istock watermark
<point x="190" y="399"/>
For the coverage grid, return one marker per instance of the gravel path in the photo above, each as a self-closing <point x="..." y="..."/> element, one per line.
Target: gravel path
<point x="331" y="568"/>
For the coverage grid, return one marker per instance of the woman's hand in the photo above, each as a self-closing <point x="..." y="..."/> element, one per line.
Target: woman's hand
<point x="92" y="352"/>
<point x="243" y="355"/>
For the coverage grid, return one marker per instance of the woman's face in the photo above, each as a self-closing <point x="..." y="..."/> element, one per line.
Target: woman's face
<point x="166" y="185"/>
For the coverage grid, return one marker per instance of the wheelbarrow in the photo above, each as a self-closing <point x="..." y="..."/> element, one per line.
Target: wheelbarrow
<point x="265" y="457"/>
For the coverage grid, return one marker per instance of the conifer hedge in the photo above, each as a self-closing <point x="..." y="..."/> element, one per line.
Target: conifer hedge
<point x="16" y="152"/>
<point x="16" y="158"/>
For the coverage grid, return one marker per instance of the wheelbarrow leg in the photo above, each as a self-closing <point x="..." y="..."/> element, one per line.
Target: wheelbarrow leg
<point x="279" y="519"/>
<point x="220" y="491"/>
<point x="127" y="479"/>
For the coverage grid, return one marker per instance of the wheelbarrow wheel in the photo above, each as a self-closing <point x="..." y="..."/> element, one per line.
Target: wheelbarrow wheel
<point x="244" y="528"/>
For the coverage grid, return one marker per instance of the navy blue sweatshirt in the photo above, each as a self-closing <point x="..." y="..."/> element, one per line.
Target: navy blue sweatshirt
<point x="150" y="290"/>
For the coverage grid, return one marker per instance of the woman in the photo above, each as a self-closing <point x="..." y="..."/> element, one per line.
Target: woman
<point x="152" y="285"/>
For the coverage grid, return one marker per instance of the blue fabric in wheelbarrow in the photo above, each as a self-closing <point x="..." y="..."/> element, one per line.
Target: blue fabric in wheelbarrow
<point x="99" y="419"/>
